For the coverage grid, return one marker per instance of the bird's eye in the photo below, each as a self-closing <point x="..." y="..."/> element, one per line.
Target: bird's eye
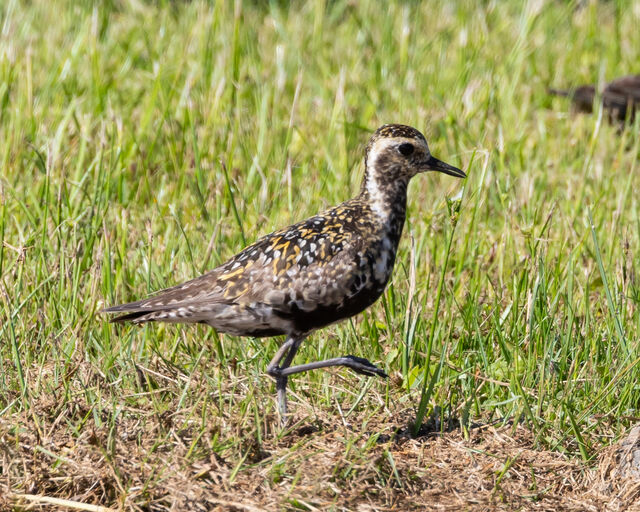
<point x="405" y="149"/>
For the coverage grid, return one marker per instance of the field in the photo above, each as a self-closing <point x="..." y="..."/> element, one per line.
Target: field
<point x="511" y="327"/>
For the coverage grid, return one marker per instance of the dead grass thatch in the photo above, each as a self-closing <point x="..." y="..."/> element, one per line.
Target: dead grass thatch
<point x="316" y="467"/>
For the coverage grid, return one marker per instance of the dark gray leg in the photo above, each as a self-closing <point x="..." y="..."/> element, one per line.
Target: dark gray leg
<point x="287" y="352"/>
<point x="357" y="364"/>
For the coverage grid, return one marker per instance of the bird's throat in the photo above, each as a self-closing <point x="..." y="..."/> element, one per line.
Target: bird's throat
<point x="387" y="201"/>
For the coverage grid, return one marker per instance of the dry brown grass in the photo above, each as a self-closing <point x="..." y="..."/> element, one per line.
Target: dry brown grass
<point x="316" y="466"/>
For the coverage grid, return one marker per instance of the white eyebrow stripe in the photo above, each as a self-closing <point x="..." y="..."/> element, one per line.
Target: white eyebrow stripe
<point x="382" y="144"/>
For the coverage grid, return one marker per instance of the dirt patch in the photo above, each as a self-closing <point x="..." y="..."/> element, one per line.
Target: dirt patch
<point x="317" y="465"/>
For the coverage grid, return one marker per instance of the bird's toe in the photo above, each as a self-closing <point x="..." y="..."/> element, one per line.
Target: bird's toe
<point x="364" y="367"/>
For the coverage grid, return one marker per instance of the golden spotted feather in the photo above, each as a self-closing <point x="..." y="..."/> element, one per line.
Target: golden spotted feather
<point x="297" y="279"/>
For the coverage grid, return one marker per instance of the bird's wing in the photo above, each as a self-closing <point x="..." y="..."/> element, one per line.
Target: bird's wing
<point x="305" y="263"/>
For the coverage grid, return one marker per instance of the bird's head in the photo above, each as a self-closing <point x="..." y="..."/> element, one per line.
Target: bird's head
<point x="397" y="152"/>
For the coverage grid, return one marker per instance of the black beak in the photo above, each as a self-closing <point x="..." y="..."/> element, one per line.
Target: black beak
<point x="433" y="164"/>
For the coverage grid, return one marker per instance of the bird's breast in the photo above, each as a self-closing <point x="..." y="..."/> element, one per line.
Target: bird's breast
<point x="384" y="259"/>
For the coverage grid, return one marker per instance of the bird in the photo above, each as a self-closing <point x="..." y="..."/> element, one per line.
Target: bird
<point x="311" y="274"/>
<point x="620" y="98"/>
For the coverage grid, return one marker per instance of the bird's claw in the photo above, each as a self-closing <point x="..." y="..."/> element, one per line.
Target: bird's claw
<point x="364" y="367"/>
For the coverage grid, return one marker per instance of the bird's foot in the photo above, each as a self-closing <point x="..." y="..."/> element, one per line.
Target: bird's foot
<point x="363" y="366"/>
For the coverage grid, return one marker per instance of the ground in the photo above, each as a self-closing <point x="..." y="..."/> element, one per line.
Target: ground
<point x="490" y="469"/>
<point x="364" y="459"/>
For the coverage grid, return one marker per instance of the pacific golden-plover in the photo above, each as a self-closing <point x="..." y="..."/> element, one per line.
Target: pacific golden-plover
<point x="620" y="98"/>
<point x="311" y="274"/>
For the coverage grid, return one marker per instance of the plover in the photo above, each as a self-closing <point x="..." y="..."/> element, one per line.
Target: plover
<point x="620" y="98"/>
<point x="314" y="273"/>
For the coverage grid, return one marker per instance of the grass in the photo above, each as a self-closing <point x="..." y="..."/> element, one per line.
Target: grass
<point x="144" y="143"/>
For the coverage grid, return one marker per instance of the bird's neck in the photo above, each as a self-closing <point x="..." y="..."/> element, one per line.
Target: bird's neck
<point x="386" y="196"/>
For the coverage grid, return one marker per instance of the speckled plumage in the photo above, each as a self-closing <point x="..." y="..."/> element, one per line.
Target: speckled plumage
<point x="311" y="274"/>
<point x="293" y="280"/>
